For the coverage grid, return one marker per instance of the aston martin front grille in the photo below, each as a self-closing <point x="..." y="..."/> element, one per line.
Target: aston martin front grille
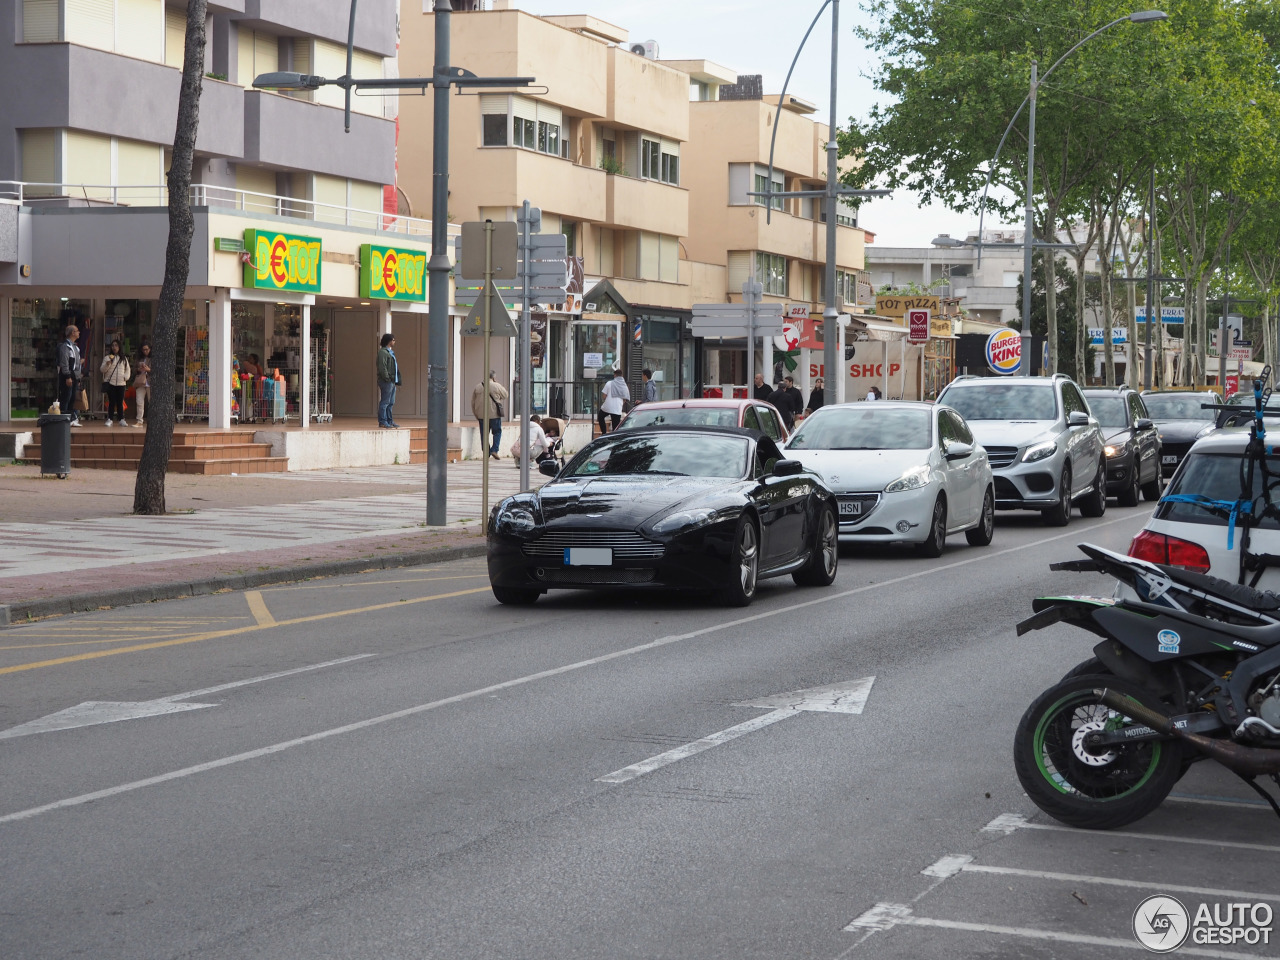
<point x="625" y="544"/>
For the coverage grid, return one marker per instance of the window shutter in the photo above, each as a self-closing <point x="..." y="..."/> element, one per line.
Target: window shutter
<point x="631" y="152"/>
<point x="88" y="162"/>
<point x="139" y="165"/>
<point x="40" y="159"/>
<point x="257" y="180"/>
<point x="244" y="57"/>
<point x="140" y="29"/>
<point x="494" y="103"/>
<point x="175" y="36"/>
<point x="740" y="182"/>
<point x="606" y="238"/>
<point x="550" y="114"/>
<point x="668" y="259"/>
<point x="739" y="269"/>
<point x="365" y="65"/>
<point x="330" y="61"/>
<point x="40" y="22"/>
<point x="365" y="196"/>
<point x="266" y="54"/>
<point x="91" y="23"/>
<point x="332" y="191"/>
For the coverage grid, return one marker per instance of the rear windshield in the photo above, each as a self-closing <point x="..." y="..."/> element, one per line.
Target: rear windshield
<point x="683" y="417"/>
<point x="1179" y="408"/>
<point x="1218" y="477"/>
<point x="1003" y="401"/>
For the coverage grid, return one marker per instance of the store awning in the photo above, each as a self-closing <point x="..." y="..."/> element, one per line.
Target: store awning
<point x="877" y="330"/>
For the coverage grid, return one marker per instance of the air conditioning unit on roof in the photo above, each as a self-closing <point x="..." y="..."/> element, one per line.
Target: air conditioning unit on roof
<point x="648" y="49"/>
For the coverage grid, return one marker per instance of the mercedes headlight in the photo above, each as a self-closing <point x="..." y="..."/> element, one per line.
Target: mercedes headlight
<point x="1116" y="449"/>
<point x="685" y="520"/>
<point x="517" y="520"/>
<point x="913" y="479"/>
<point x="1040" y="451"/>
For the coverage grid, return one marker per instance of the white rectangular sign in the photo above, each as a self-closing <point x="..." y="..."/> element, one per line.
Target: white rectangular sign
<point x="1167" y="314"/>
<point x="1118" y="335"/>
<point x="593" y="360"/>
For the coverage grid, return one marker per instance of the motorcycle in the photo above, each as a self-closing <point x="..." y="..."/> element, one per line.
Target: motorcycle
<point x="1187" y="668"/>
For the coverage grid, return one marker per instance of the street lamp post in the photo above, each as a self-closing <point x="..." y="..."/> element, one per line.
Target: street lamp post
<point x="1138" y="16"/>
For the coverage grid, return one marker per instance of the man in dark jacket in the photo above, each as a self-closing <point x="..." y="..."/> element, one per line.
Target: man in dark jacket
<point x="762" y="390"/>
<point x="797" y="398"/>
<point x="388" y="380"/>
<point x="783" y="400"/>
<point x="69" y="373"/>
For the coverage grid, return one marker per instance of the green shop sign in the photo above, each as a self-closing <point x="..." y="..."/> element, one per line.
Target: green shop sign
<point x="281" y="261"/>
<point x="390" y="274"/>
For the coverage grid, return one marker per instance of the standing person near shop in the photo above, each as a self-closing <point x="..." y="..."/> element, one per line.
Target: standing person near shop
<point x="783" y="400"/>
<point x="388" y="380"/>
<point x="486" y="405"/>
<point x="873" y="393"/>
<point x="142" y="383"/>
<point x="650" y="388"/>
<point x="115" y="377"/>
<point x="762" y="389"/>
<point x="69" y="373"/>
<point x="797" y="398"/>
<point x="616" y="395"/>
<point x="817" y="397"/>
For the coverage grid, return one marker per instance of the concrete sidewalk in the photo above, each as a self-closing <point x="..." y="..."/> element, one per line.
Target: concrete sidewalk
<point x="72" y="544"/>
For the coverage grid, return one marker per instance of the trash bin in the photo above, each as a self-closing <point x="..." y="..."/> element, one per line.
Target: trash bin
<point x="55" y="443"/>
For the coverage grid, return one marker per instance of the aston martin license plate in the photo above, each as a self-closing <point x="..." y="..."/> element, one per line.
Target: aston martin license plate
<point x="588" y="557"/>
<point x="850" y="508"/>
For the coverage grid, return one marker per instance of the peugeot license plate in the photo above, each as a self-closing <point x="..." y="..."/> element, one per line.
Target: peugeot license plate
<point x="1169" y="458"/>
<point x="588" y="557"/>
<point x="850" y="508"/>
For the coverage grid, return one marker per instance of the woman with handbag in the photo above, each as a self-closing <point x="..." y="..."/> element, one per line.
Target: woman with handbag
<point x="142" y="384"/>
<point x="115" y="377"/>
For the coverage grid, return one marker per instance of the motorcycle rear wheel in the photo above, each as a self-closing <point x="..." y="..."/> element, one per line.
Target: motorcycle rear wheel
<point x="1081" y="788"/>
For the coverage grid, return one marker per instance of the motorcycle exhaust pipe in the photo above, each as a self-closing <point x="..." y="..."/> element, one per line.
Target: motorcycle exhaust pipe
<point x="1248" y="760"/>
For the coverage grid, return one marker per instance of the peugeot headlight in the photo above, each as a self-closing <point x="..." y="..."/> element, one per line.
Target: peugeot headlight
<point x="1040" y="451"/>
<point x="517" y="520"/>
<point x="913" y="479"/>
<point x="1207" y="430"/>
<point x="686" y="520"/>
<point x="1116" y="449"/>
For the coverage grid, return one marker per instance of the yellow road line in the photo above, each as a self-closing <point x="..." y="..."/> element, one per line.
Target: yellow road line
<point x="258" y="607"/>
<point x="372" y="583"/>
<point x="213" y="635"/>
<point x="81" y="643"/>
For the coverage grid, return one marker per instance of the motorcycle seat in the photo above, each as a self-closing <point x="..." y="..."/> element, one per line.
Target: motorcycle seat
<point x="1264" y="601"/>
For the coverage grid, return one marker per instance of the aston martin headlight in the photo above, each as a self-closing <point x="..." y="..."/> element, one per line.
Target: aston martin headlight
<point x="1040" y="451"/>
<point x="1116" y="449"/>
<point x="913" y="479"/>
<point x="686" y="520"/>
<point x="517" y="520"/>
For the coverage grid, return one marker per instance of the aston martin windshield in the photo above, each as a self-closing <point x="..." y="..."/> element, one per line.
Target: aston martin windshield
<point x="865" y="426"/>
<point x="685" y="455"/>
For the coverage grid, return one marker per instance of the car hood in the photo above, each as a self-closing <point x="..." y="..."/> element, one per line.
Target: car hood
<point x="859" y="470"/>
<point x="616" y="502"/>
<point x="1180" y="430"/>
<point x="1116" y="435"/>
<point x="1012" y="433"/>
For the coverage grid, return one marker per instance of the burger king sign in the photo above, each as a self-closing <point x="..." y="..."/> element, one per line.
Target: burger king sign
<point x="1004" y="351"/>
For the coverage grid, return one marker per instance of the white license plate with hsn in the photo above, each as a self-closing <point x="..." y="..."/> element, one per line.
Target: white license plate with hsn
<point x="588" y="557"/>
<point x="850" y="508"/>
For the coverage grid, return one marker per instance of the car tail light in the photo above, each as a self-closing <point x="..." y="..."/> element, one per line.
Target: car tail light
<point x="1171" y="551"/>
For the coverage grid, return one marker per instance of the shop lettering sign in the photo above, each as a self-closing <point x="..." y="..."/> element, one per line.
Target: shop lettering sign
<point x="897" y="307"/>
<point x="1004" y="351"/>
<point x="390" y="274"/>
<point x="281" y="261"/>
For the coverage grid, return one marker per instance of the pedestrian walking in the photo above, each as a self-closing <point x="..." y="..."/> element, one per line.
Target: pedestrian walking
<point x="69" y="373"/>
<point x="388" y="380"/>
<point x="762" y="389"/>
<point x="797" y="398"/>
<point x="142" y="383"/>
<point x="650" y="388"/>
<point x="783" y="400"/>
<point x="486" y="404"/>
<point x="817" y="397"/>
<point x="616" y="396"/>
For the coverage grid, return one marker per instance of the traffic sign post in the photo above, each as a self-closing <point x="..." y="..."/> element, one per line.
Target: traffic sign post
<point x="751" y="318"/>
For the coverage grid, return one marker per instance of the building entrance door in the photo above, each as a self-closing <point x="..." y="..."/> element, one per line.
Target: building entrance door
<point x="354" y="353"/>
<point x="594" y="355"/>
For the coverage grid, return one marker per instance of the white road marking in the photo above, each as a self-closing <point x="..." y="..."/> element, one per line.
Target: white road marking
<point x="884" y="916"/>
<point x="835" y="698"/>
<point x="521" y="681"/>
<point x="1011" y="821"/>
<point x="1219" y="801"/>
<point x="93" y="712"/>
<point x="950" y="866"/>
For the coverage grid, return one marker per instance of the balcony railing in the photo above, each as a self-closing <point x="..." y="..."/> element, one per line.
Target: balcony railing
<point x="211" y="195"/>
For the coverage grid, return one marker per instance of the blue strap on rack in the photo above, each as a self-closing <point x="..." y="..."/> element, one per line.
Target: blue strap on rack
<point x="1234" y="509"/>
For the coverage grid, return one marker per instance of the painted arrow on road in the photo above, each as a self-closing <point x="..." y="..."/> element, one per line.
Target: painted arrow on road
<point x="93" y="712"/>
<point x="848" y="697"/>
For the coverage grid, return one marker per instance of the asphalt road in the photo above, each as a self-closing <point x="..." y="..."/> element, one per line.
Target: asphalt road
<point x="395" y="766"/>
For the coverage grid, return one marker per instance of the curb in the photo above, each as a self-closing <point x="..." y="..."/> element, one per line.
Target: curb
<point x="128" y="596"/>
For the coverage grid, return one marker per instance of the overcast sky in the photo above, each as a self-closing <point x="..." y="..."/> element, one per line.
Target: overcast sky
<point x="761" y="36"/>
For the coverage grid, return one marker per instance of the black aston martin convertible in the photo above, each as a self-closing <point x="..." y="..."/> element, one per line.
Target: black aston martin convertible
<point x="689" y="508"/>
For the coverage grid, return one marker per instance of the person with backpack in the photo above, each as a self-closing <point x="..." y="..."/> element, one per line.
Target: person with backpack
<point x="115" y="377"/>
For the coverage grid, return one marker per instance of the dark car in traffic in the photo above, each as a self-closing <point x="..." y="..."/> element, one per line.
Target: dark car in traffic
<point x="713" y="509"/>
<point x="1131" y="444"/>
<point x="1180" y="421"/>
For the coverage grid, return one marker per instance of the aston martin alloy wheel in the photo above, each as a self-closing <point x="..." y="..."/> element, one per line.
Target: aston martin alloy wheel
<point x="746" y="557"/>
<point x="824" y="555"/>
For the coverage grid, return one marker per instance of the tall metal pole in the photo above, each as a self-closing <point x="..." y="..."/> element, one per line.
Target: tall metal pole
<point x="1153" y="311"/>
<point x="438" y="289"/>
<point x="831" y="359"/>
<point x="526" y="363"/>
<point x="1222" y="329"/>
<point x="1029" y="224"/>
<point x="484" y="375"/>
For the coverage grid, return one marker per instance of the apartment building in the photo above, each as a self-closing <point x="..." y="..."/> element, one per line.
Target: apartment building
<point x="85" y="130"/>
<point x="631" y="157"/>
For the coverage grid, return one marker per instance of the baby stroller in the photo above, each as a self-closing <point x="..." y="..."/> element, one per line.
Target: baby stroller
<point x="554" y="429"/>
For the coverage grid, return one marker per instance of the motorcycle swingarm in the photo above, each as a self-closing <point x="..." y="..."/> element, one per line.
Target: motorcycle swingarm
<point x="1075" y="610"/>
<point x="1204" y="723"/>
